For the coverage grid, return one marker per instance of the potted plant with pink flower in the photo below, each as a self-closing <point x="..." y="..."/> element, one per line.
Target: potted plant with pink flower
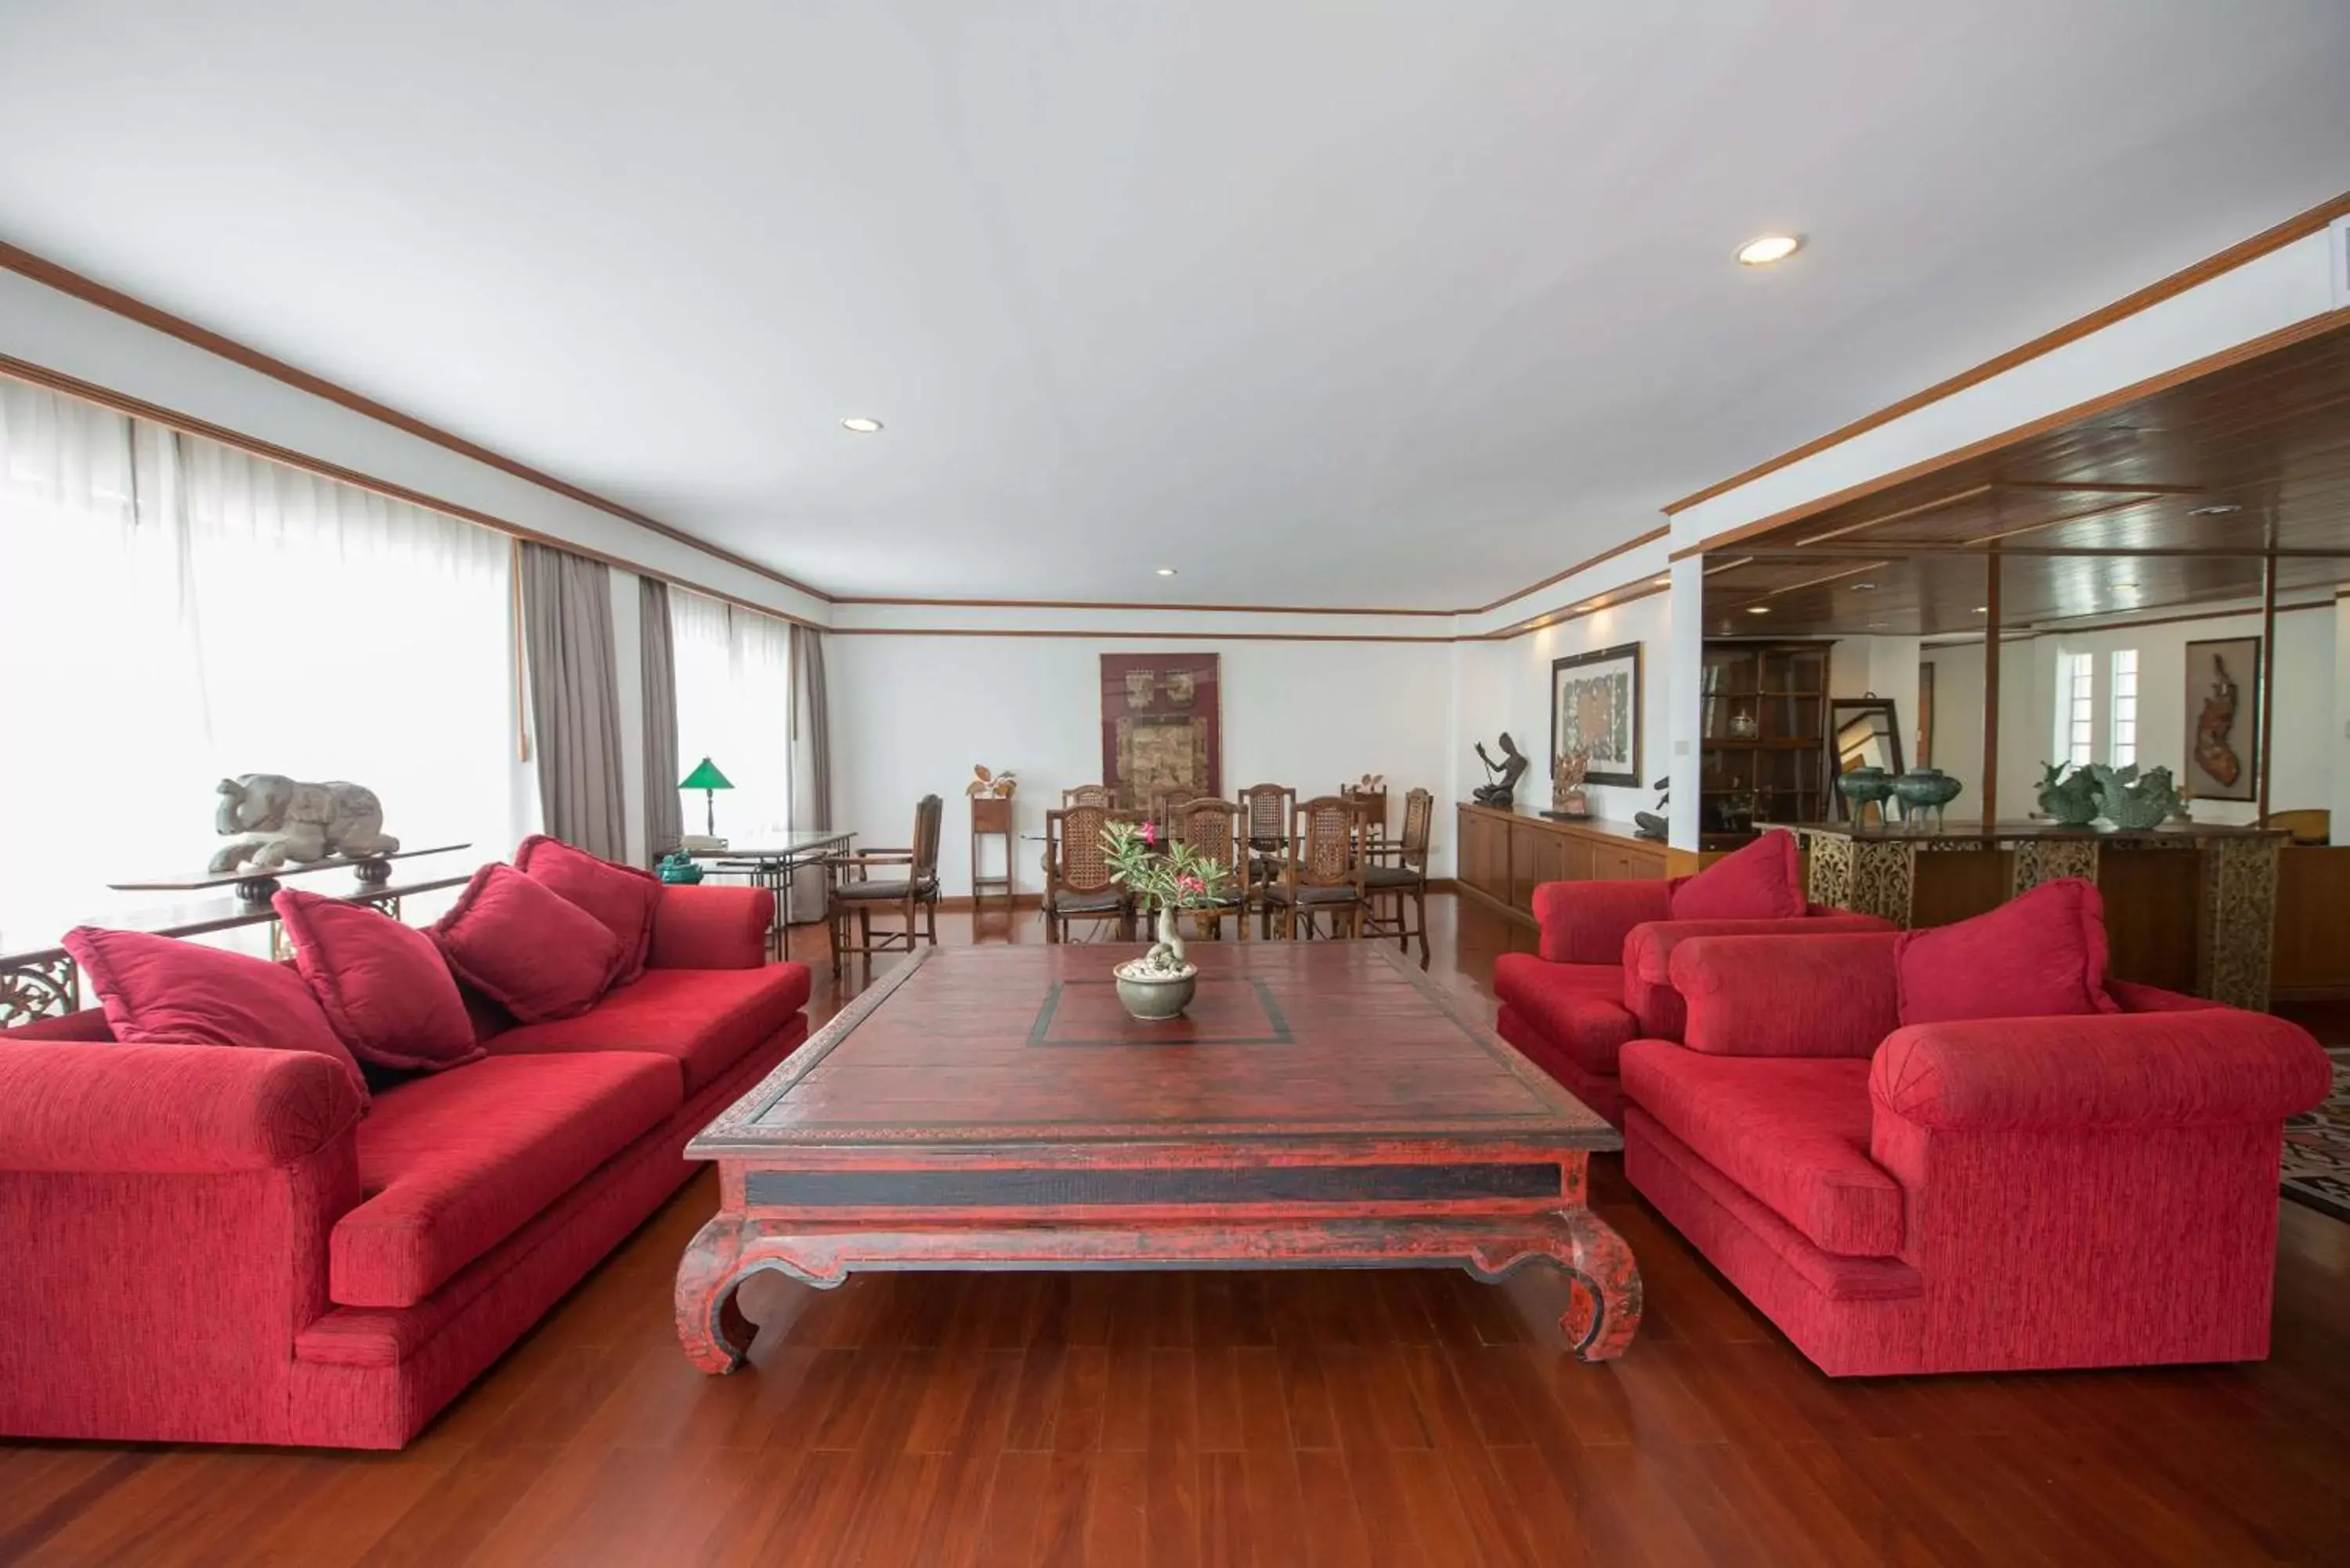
<point x="1165" y="877"/>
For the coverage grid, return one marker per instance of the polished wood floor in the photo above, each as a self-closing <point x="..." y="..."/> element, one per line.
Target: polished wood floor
<point x="1276" y="1419"/>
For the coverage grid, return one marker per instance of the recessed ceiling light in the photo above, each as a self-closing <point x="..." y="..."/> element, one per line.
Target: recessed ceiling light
<point x="1983" y="610"/>
<point x="1758" y="609"/>
<point x="1663" y="579"/>
<point x="2216" y="509"/>
<point x="1864" y="586"/>
<point x="1764" y="249"/>
<point x="859" y="424"/>
<point x="2126" y="588"/>
<point x="1878" y="625"/>
<point x="1166" y="571"/>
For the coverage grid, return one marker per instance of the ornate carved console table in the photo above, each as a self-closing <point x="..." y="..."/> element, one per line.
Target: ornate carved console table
<point x="2193" y="907"/>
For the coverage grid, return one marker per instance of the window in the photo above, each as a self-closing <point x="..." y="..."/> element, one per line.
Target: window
<point x="191" y="613"/>
<point x="734" y="707"/>
<point x="2077" y="716"/>
<point x="2122" y="740"/>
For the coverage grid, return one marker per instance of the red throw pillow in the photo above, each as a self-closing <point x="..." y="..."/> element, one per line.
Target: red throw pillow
<point x="384" y="986"/>
<point x="622" y="898"/>
<point x="525" y="947"/>
<point x="161" y="991"/>
<point x="2041" y="955"/>
<point x="1764" y="881"/>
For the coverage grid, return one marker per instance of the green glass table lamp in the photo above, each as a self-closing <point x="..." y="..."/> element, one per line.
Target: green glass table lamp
<point x="706" y="778"/>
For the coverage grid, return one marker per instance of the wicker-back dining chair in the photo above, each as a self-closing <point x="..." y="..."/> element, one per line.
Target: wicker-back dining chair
<point x="1321" y="874"/>
<point x="1267" y="807"/>
<point x="1077" y="884"/>
<point x="1167" y="810"/>
<point x="853" y="895"/>
<point x="1210" y="828"/>
<point x="1395" y="879"/>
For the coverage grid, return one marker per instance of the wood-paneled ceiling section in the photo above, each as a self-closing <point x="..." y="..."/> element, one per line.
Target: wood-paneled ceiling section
<point x="2172" y="500"/>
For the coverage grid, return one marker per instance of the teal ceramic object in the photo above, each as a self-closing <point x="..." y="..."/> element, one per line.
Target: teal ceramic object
<point x="2069" y="799"/>
<point x="679" y="869"/>
<point x="1864" y="787"/>
<point x="2130" y="799"/>
<point x="1921" y="790"/>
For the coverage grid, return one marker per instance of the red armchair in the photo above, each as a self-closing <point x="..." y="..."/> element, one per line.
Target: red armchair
<point x="1602" y="977"/>
<point x="217" y="1245"/>
<point x="1988" y="1195"/>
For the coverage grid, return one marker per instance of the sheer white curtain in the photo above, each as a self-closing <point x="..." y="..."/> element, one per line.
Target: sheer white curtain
<point x="181" y="612"/>
<point x="734" y="707"/>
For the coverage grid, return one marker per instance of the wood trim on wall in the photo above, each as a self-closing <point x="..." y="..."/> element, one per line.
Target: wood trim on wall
<point x="1112" y="604"/>
<point x="2251" y="349"/>
<point x="171" y="418"/>
<point x="1583" y="566"/>
<point x="2297" y="227"/>
<point x="49" y="274"/>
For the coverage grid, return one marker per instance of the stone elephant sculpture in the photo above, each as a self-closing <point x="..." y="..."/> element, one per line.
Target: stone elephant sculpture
<point x="270" y="819"/>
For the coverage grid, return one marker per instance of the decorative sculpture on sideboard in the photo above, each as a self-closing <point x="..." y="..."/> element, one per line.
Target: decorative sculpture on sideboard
<point x="1502" y="788"/>
<point x="271" y="819"/>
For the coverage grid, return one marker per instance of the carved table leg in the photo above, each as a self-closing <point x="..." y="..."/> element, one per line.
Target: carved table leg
<point x="712" y="1328"/>
<point x="1604" y="1288"/>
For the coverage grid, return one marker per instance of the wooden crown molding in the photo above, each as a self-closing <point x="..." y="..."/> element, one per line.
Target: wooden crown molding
<point x="49" y="274"/>
<point x="2297" y="227"/>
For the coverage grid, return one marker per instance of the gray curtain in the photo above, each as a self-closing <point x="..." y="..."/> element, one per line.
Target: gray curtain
<point x="811" y="737"/>
<point x="574" y="699"/>
<point x="664" y="817"/>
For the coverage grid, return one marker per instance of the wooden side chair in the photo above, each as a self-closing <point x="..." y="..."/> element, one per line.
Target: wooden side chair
<point x="853" y="895"/>
<point x="2307" y="827"/>
<point x="1267" y="807"/>
<point x="1077" y="884"/>
<point x="1212" y="830"/>
<point x="1395" y="879"/>
<point x="1321" y="875"/>
<point x="1167" y="810"/>
<point x="1371" y="808"/>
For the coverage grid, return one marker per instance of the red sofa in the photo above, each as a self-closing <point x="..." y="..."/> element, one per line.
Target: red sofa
<point x="1988" y="1195"/>
<point x="1602" y="977"/>
<point x="216" y="1245"/>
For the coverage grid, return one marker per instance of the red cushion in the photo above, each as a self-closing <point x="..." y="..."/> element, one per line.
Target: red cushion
<point x="451" y="1164"/>
<point x="384" y="987"/>
<point x="2041" y="955"/>
<point x="707" y="1019"/>
<point x="622" y="898"/>
<point x="160" y="991"/>
<point x="1578" y="1007"/>
<point x="1791" y="1131"/>
<point x="526" y="947"/>
<point x="1764" y="881"/>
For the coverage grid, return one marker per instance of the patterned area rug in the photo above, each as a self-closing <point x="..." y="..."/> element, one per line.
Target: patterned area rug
<point x="2317" y="1147"/>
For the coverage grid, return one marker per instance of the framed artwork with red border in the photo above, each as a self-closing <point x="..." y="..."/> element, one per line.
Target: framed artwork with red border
<point x="1162" y="726"/>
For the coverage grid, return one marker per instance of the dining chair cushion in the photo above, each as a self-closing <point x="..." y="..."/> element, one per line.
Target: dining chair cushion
<point x="1068" y="903"/>
<point x="1342" y="894"/>
<point x="885" y="892"/>
<point x="1393" y="876"/>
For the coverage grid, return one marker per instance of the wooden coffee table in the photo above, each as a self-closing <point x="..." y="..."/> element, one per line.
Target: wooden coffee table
<point x="1322" y="1105"/>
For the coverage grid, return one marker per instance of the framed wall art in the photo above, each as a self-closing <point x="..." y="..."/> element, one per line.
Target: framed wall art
<point x="2223" y="720"/>
<point x="1161" y="726"/>
<point x="1594" y="708"/>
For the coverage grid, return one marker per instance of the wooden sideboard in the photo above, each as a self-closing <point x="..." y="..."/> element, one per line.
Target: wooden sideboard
<point x="1502" y="855"/>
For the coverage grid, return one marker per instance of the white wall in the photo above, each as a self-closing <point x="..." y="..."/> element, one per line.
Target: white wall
<point x="1507" y="686"/>
<point x="911" y="714"/>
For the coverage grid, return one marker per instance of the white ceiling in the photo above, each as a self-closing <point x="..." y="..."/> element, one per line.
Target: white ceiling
<point x="1335" y="302"/>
